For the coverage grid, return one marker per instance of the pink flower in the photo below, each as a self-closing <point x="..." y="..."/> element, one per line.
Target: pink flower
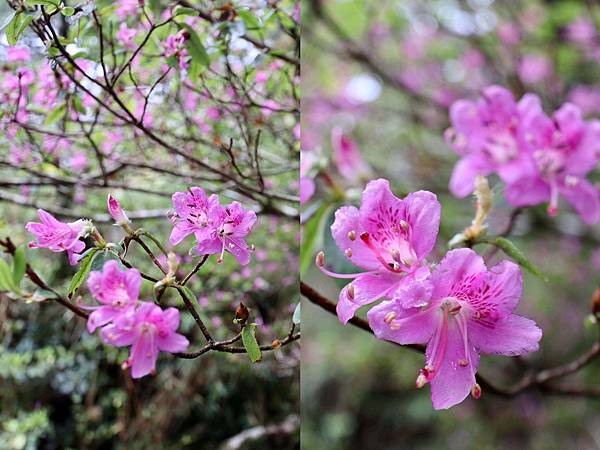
<point x="581" y="31"/>
<point x="217" y="229"/>
<point x="194" y="214"/>
<point x="18" y="54"/>
<point x="118" y="291"/>
<point x="127" y="36"/>
<point x="148" y="330"/>
<point x="347" y="157"/>
<point x="389" y="238"/>
<point x="58" y="236"/>
<point x="116" y="211"/>
<point x="486" y="134"/>
<point x="534" y="68"/>
<point x="467" y="310"/>
<point x="127" y="8"/>
<point x="562" y="150"/>
<point x="233" y="224"/>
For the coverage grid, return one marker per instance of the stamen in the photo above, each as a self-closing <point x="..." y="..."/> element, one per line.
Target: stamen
<point x="320" y="262"/>
<point x="352" y="235"/>
<point x="350" y="291"/>
<point x="404" y="225"/>
<point x="421" y="380"/>
<point x="439" y="347"/>
<point x="476" y="391"/>
<point x="389" y="317"/>
<point x="392" y="267"/>
<point x="348" y="252"/>
<point x="220" y="259"/>
<point x="553" y="206"/>
<point x="462" y="327"/>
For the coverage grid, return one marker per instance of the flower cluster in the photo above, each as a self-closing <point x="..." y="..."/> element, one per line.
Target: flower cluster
<point x="125" y="321"/>
<point x="458" y="308"/>
<point x="538" y="157"/>
<point x="217" y="228"/>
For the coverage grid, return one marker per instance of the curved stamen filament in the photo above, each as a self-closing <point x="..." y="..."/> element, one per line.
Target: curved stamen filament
<point x="462" y="328"/>
<point x="395" y="267"/>
<point x="439" y="348"/>
<point x="320" y="262"/>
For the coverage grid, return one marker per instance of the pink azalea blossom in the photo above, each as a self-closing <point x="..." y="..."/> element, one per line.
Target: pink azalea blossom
<point x="217" y="229"/>
<point x="127" y="36"/>
<point x="563" y="150"/>
<point x="233" y="224"/>
<point x="485" y="133"/>
<point x="148" y="330"/>
<point x="389" y="238"/>
<point x="118" y="291"/>
<point x="466" y="310"/>
<point x="58" y="236"/>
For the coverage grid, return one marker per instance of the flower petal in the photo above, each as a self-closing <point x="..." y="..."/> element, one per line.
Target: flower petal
<point x="453" y="382"/>
<point x="456" y="266"/>
<point x="423" y="215"/>
<point x="368" y="287"/>
<point x="583" y="196"/>
<point x="513" y="335"/>
<point x="347" y="220"/>
<point x="391" y="321"/>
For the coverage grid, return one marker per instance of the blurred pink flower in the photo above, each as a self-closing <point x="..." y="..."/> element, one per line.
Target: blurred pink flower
<point x="17" y="54"/>
<point x="486" y="135"/>
<point x="467" y="310"/>
<point x="389" y="238"/>
<point x="534" y="68"/>
<point x="347" y="157"/>
<point x="563" y="149"/>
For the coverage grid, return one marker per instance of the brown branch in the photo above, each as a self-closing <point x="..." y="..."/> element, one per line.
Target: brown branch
<point x="539" y="380"/>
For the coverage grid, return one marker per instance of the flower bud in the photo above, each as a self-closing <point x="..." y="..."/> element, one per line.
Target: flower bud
<point x="596" y="303"/>
<point x="116" y="212"/>
<point x="241" y="314"/>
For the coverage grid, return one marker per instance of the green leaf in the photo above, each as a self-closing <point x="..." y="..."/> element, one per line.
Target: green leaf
<point x="19" y="263"/>
<point x="250" y="344"/>
<point x="252" y="22"/>
<point x="6" y="279"/>
<point x="200" y="58"/>
<point x="312" y="235"/>
<point x="296" y="318"/>
<point x="517" y="255"/>
<point x="56" y="115"/>
<point x="82" y="273"/>
<point x="183" y="11"/>
<point x="77" y="104"/>
<point x="17" y="26"/>
<point x="189" y="293"/>
<point x="102" y="257"/>
<point x="41" y="2"/>
<point x="6" y="18"/>
<point x="67" y="11"/>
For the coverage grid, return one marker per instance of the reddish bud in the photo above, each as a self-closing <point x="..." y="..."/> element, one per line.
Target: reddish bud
<point x="241" y="314"/>
<point x="116" y="212"/>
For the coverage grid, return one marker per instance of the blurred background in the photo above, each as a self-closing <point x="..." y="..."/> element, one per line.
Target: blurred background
<point x="378" y="78"/>
<point x="62" y="388"/>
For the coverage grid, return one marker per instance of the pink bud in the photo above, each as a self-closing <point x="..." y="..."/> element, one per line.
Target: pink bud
<point x="116" y="212"/>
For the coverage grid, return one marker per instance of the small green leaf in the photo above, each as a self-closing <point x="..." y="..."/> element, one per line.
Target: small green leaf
<point x="517" y="255"/>
<point x="200" y="58"/>
<point x="250" y="344"/>
<point x="189" y="293"/>
<point x="57" y="114"/>
<point x="296" y="318"/>
<point x="102" y="257"/>
<point x="78" y="105"/>
<point x="19" y="264"/>
<point x="6" y="280"/>
<point x="183" y="11"/>
<point x="17" y="26"/>
<point x="84" y="269"/>
<point x="41" y="2"/>
<point x="312" y="235"/>
<point x="6" y="18"/>
<point x="252" y="22"/>
<point x="67" y="11"/>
